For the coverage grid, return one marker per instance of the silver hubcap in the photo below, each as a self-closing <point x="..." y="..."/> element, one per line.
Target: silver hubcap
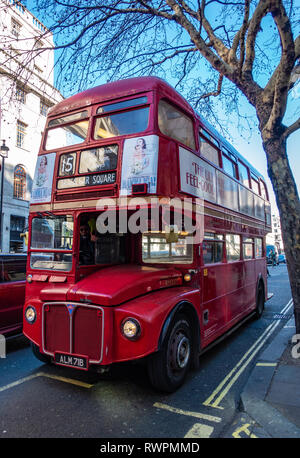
<point x="183" y="352"/>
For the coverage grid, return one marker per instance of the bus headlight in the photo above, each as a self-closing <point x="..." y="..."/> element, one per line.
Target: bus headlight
<point x="131" y="328"/>
<point x="30" y="314"/>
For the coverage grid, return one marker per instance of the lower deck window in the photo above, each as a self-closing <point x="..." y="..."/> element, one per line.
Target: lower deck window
<point x="212" y="248"/>
<point x="212" y="252"/>
<point x="248" y="245"/>
<point x="233" y="247"/>
<point x="157" y="250"/>
<point x="258" y="248"/>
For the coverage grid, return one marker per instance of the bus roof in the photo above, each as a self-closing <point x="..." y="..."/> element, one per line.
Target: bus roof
<point x="133" y="86"/>
<point x="117" y="89"/>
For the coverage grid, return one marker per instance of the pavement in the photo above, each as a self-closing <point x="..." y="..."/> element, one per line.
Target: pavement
<point x="271" y="398"/>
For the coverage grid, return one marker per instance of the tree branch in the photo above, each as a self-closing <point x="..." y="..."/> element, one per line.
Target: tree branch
<point x="217" y="44"/>
<point x="175" y="53"/>
<point x="253" y="29"/>
<point x="217" y="63"/>
<point x="189" y="10"/>
<point x="214" y="93"/>
<point x="291" y="129"/>
<point x="242" y="34"/>
<point x="279" y="83"/>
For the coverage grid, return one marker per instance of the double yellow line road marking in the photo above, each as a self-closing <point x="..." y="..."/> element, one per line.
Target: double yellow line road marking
<point x="43" y="374"/>
<point x="214" y="400"/>
<point x="222" y="389"/>
<point x="200" y="430"/>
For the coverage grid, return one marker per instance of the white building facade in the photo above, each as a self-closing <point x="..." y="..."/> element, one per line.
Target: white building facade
<point x="275" y="237"/>
<point x="26" y="92"/>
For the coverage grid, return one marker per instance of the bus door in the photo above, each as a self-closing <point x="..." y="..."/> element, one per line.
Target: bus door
<point x="235" y="277"/>
<point x="214" y="300"/>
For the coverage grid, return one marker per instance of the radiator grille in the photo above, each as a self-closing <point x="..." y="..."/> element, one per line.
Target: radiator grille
<point x="73" y="328"/>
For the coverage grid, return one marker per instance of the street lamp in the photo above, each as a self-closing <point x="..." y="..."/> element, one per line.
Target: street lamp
<point x="4" y="154"/>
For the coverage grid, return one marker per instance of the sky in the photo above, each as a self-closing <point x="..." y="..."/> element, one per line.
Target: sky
<point x="251" y="147"/>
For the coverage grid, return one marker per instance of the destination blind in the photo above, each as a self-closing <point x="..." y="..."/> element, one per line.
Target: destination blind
<point x="99" y="179"/>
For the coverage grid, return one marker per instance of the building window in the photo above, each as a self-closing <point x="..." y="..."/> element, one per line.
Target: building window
<point x="17" y="225"/>
<point x="21" y="133"/>
<point x="43" y="108"/>
<point x="20" y="95"/>
<point x="19" y="182"/>
<point x="15" y="28"/>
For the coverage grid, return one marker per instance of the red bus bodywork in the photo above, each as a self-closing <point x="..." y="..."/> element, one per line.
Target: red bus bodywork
<point x="178" y="307"/>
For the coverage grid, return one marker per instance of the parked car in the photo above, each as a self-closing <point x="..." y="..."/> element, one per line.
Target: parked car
<point x="12" y="292"/>
<point x="281" y="258"/>
<point x="271" y="248"/>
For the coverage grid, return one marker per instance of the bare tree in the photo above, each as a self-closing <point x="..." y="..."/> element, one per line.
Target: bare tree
<point x="250" y="47"/>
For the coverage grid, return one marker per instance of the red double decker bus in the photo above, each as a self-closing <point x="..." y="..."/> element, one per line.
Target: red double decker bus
<point x="146" y="233"/>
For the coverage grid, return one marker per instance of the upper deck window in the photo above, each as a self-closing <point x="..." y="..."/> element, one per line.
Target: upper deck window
<point x="243" y="172"/>
<point x="264" y="192"/>
<point x="254" y="183"/>
<point x="124" y="123"/>
<point x="122" y="105"/>
<point x="209" y="137"/>
<point x="206" y="149"/>
<point x="68" y="119"/>
<point x="229" y="166"/>
<point x="72" y="133"/>
<point x="175" y="124"/>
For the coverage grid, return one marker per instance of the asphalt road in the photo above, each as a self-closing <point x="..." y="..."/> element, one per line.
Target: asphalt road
<point x="39" y="401"/>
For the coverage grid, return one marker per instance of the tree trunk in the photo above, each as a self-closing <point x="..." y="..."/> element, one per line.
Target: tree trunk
<point x="288" y="203"/>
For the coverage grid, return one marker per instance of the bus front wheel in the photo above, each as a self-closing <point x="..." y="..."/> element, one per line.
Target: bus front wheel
<point x="168" y="367"/>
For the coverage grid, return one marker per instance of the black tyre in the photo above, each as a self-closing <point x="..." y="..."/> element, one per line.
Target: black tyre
<point x="260" y="301"/>
<point x="44" y="358"/>
<point x="168" y="367"/>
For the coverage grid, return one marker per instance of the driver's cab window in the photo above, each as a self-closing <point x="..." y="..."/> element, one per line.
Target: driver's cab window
<point x="96" y="248"/>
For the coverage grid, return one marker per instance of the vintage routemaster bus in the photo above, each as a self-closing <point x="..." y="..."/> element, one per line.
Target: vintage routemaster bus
<point x="146" y="233"/>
